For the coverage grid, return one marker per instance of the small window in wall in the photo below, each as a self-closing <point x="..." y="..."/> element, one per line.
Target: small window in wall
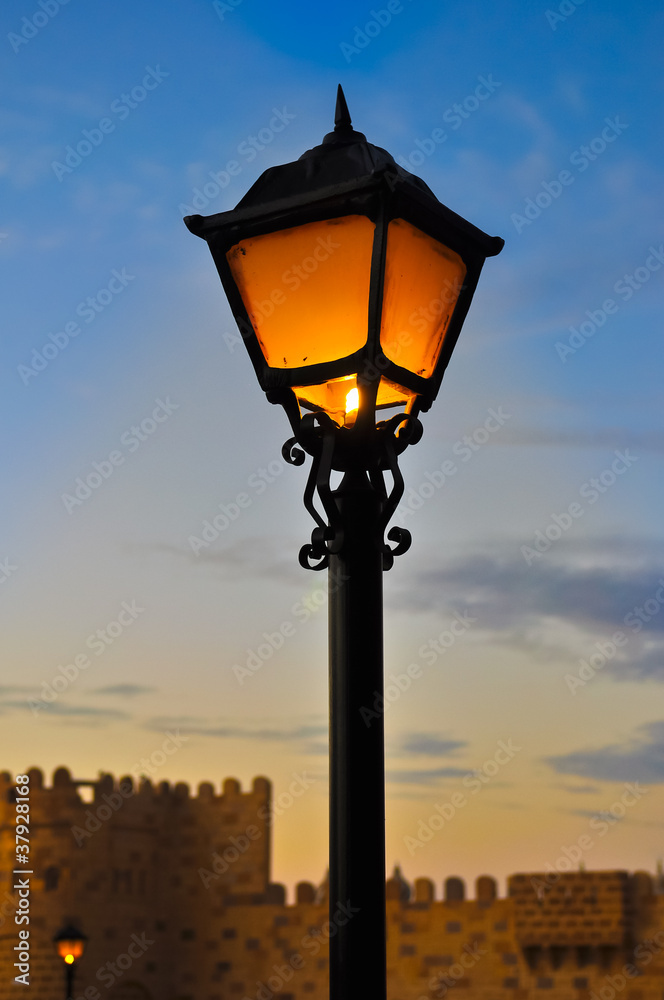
<point x="51" y="878"/>
<point x="122" y="881"/>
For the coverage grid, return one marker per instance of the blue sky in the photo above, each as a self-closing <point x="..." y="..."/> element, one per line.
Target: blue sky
<point x="551" y="140"/>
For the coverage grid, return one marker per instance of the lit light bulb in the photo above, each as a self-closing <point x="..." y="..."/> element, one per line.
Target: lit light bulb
<point x="352" y="400"/>
<point x="69" y="959"/>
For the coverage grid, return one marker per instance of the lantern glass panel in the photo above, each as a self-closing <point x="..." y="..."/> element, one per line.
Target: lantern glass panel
<point x="70" y="950"/>
<point x="333" y="396"/>
<point x="306" y="289"/>
<point x="423" y="279"/>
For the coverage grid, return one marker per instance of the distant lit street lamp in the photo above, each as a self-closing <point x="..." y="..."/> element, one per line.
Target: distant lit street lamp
<point x="70" y="943"/>
<point x="350" y="282"/>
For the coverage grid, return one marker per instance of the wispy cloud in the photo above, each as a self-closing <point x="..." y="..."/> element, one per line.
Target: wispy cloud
<point x="602" y="437"/>
<point x="641" y="759"/>
<point x="425" y="776"/>
<point x="69" y="711"/>
<point x="244" y="559"/>
<point x="124" y="690"/>
<point x="558" y="607"/>
<point x="305" y="736"/>
<point x="431" y="745"/>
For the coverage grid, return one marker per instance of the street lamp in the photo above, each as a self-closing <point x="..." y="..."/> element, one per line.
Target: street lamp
<point x="350" y="282"/>
<point x="70" y="944"/>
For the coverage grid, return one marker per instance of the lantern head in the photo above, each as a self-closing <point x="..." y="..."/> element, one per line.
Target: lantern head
<point x="348" y="279"/>
<point x="70" y="944"/>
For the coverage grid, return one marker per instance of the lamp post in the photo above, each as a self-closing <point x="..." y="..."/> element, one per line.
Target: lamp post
<point x="350" y="282"/>
<point x="70" y="944"/>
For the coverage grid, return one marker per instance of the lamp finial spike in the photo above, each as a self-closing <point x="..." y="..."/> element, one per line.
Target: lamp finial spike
<point x="341" y="114"/>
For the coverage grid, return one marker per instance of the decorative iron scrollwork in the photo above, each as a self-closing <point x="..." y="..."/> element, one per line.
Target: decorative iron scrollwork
<point x="335" y="448"/>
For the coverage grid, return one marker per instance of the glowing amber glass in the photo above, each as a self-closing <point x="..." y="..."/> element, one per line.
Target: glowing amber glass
<point x="423" y="279"/>
<point x="70" y="950"/>
<point x="306" y="289"/>
<point x="333" y="396"/>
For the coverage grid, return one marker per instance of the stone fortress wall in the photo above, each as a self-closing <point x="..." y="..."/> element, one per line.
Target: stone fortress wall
<point x="174" y="894"/>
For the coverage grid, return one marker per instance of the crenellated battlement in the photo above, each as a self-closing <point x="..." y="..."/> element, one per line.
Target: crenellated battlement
<point x="62" y="783"/>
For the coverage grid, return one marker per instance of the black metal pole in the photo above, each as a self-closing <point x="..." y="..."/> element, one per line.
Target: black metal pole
<point x="357" y="764"/>
<point x="69" y="981"/>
